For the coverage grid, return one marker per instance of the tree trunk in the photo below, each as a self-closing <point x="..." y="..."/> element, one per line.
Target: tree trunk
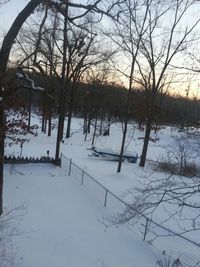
<point x="122" y="146"/>
<point x="49" y="118"/>
<point x="124" y="131"/>
<point x="62" y="99"/>
<point x="101" y="122"/>
<point x="2" y="135"/>
<point x="7" y="43"/>
<point x="109" y="120"/>
<point x="60" y="127"/>
<point x="45" y="123"/>
<point x="29" y="108"/>
<point x="62" y="117"/>
<point x="146" y="143"/>
<point x="71" y="102"/>
<point x="85" y="124"/>
<point x="89" y="124"/>
<point x="85" y="117"/>
<point x="69" y="123"/>
<point x="13" y="32"/>
<point x="95" y="128"/>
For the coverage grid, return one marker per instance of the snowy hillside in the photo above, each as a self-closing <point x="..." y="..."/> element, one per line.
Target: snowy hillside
<point x="64" y="218"/>
<point x="62" y="223"/>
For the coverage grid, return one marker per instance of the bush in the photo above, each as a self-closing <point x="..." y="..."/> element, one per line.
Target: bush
<point x="180" y="158"/>
<point x="189" y="170"/>
<point x="166" y="166"/>
<point x="168" y="261"/>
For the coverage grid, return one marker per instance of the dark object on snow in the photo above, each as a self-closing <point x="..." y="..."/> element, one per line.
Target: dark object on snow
<point x="109" y="154"/>
<point x="106" y="132"/>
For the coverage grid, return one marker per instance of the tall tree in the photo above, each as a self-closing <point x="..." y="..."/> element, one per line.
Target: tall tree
<point x="128" y="33"/>
<point x="159" y="49"/>
<point x="4" y="56"/>
<point x="79" y="10"/>
<point x="77" y="41"/>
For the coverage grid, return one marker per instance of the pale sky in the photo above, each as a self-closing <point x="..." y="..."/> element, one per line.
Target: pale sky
<point x="9" y="11"/>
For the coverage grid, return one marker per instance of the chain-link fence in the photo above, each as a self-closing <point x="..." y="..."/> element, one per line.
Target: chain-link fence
<point x="185" y="251"/>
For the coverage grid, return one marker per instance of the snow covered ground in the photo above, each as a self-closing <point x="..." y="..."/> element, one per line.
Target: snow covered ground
<point x="64" y="217"/>
<point x="62" y="223"/>
<point x="105" y="171"/>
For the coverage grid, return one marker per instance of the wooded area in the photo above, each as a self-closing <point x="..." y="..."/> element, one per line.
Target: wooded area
<point x="103" y="61"/>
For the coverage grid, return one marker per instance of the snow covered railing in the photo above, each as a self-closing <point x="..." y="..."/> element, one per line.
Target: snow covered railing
<point x="168" y="242"/>
<point x="20" y="160"/>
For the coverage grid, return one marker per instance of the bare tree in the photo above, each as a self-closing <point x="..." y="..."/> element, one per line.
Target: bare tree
<point x="2" y="2"/>
<point x="159" y="49"/>
<point x="80" y="10"/>
<point x="76" y="51"/>
<point x="72" y="69"/>
<point x="4" y="55"/>
<point x="98" y="77"/>
<point x="36" y="50"/>
<point x="176" y="196"/>
<point x="128" y="33"/>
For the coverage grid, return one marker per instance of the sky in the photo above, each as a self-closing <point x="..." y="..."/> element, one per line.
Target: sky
<point x="9" y="11"/>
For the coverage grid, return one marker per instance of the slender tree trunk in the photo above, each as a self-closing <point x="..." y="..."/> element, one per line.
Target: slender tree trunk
<point x="86" y="133"/>
<point x="60" y="125"/>
<point x="85" y="124"/>
<point x="85" y="118"/>
<point x="71" y="102"/>
<point x="61" y="118"/>
<point x="127" y="107"/>
<point x="2" y="136"/>
<point x="45" y="123"/>
<point x="69" y="122"/>
<point x="95" y="128"/>
<point x="146" y="142"/>
<point x="101" y="122"/>
<point x="89" y="124"/>
<point x="49" y="118"/>
<point x="29" y="109"/>
<point x="43" y="118"/>
<point x="109" y="120"/>
<point x="122" y="146"/>
<point x="124" y="131"/>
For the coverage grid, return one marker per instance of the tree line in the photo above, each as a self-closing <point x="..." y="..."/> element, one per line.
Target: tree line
<point x="107" y="101"/>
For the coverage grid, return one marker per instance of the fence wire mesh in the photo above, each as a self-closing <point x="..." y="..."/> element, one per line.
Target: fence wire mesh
<point x="164" y="239"/>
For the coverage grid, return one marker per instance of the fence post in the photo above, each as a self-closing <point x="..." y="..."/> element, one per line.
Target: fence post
<point x="70" y="167"/>
<point x="105" y="201"/>
<point x="82" y="176"/>
<point x="146" y="226"/>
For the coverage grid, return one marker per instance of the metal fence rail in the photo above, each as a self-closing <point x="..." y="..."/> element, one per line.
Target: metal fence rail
<point x="164" y="239"/>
